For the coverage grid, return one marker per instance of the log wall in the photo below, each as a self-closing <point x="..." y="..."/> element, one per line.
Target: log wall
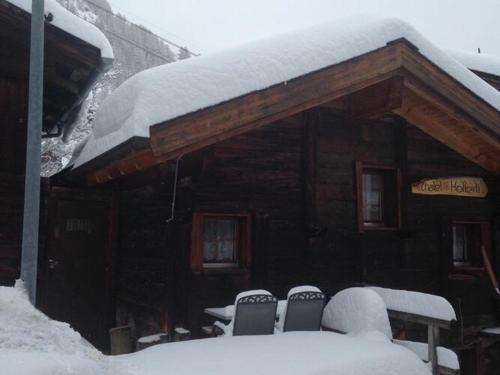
<point x="13" y="113"/>
<point x="303" y="231"/>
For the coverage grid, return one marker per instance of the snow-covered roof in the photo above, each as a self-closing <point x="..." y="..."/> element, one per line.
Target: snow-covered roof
<point x="479" y="62"/>
<point x="170" y="91"/>
<point x="70" y="23"/>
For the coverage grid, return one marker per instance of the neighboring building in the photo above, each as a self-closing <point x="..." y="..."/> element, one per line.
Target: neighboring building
<point x="76" y="53"/>
<point x="298" y="162"/>
<point x="135" y="49"/>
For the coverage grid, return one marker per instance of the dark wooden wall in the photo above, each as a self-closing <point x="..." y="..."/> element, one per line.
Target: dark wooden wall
<point x="248" y="174"/>
<point x="142" y="258"/>
<point x="13" y="112"/>
<point x="266" y="172"/>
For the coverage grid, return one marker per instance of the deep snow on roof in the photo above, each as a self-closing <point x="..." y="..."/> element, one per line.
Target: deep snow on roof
<point x="70" y="23"/>
<point x="169" y="91"/>
<point x="479" y="62"/>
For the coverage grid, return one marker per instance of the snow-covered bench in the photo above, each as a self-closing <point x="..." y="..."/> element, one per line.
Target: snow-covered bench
<point x="357" y="310"/>
<point x="430" y="310"/>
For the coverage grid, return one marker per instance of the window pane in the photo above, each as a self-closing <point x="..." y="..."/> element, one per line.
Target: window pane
<point x="459" y="243"/>
<point x="209" y="251"/>
<point x="373" y="186"/>
<point x="210" y="230"/>
<point x="219" y="240"/>
<point x="467" y="243"/>
<point x="226" y="251"/>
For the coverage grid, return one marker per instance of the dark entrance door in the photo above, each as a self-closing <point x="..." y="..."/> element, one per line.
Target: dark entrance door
<point x="78" y="262"/>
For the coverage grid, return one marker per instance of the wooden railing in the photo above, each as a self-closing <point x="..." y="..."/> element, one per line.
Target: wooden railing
<point x="433" y="326"/>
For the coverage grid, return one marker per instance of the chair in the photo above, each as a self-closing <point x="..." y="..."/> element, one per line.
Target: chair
<point x="255" y="314"/>
<point x="303" y="311"/>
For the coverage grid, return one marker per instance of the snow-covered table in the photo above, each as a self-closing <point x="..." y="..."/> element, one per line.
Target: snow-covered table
<point x="291" y="353"/>
<point x="227" y="313"/>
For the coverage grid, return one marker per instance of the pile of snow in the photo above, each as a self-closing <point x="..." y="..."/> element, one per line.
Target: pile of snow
<point x="428" y="305"/>
<point x="492" y="331"/>
<point x="479" y="62"/>
<point x="446" y="357"/>
<point x="292" y="353"/>
<point x="31" y="343"/>
<point x="67" y="21"/>
<point x="357" y="310"/>
<point x="170" y="91"/>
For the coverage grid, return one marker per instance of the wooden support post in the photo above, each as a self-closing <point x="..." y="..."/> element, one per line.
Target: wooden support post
<point x="479" y="356"/>
<point x="433" y="342"/>
<point x="310" y="124"/>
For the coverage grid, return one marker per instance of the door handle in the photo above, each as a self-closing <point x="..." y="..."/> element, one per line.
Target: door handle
<point x="53" y="263"/>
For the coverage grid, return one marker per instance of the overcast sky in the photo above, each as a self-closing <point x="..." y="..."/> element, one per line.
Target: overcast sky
<point x="209" y="25"/>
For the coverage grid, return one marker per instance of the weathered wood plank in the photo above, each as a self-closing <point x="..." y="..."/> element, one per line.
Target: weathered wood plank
<point x="254" y="110"/>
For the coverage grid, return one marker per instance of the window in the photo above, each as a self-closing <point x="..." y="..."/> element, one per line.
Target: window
<point x="220" y="241"/>
<point x="467" y="239"/>
<point x="378" y="195"/>
<point x="373" y="194"/>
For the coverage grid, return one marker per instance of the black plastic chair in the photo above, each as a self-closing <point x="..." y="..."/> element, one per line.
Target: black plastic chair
<point x="255" y="314"/>
<point x="304" y="310"/>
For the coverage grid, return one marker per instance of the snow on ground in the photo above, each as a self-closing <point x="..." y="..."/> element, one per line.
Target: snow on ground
<point x="67" y="21"/>
<point x="492" y="331"/>
<point x="446" y="357"/>
<point x="416" y="303"/>
<point x="33" y="344"/>
<point x="291" y="353"/>
<point x="480" y="62"/>
<point x="357" y="310"/>
<point x="173" y="90"/>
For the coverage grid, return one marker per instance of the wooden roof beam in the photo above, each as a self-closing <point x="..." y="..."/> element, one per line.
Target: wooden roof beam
<point x="203" y="128"/>
<point x="443" y="126"/>
<point x="407" y="83"/>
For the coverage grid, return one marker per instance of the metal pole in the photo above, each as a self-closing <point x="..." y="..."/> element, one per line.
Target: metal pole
<point x="29" y="259"/>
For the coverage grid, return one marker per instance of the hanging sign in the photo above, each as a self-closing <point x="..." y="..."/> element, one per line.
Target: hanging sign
<point x="458" y="186"/>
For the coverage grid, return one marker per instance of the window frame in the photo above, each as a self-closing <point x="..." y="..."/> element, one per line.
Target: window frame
<point x="486" y="241"/>
<point x="244" y="240"/>
<point x="364" y="226"/>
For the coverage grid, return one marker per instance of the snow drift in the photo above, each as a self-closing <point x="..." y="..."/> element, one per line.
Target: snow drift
<point x="291" y="353"/>
<point x="33" y="344"/>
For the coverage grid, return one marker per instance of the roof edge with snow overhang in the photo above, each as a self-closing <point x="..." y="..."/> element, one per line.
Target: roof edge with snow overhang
<point x="158" y="97"/>
<point x="479" y="62"/>
<point x="73" y="25"/>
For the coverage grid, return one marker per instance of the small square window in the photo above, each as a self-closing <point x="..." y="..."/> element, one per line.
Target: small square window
<point x="378" y="192"/>
<point x="220" y="241"/>
<point x="468" y="237"/>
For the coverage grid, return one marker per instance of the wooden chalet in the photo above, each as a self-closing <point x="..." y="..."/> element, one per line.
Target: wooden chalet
<point x="313" y="180"/>
<point x="72" y="65"/>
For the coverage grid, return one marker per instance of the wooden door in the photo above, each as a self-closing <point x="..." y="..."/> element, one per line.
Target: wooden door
<point x="78" y="263"/>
